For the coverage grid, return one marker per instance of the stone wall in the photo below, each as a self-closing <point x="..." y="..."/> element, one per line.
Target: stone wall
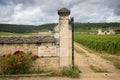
<point x="34" y="48"/>
<point x="46" y="61"/>
<point x="11" y="48"/>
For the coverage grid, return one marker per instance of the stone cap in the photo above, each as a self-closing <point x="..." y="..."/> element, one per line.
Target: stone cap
<point x="28" y="40"/>
<point x="64" y="12"/>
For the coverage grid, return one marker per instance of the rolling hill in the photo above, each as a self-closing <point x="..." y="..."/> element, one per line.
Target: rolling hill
<point x="79" y="27"/>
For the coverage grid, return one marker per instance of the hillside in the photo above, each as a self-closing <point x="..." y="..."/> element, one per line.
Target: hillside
<point x="79" y="27"/>
<point x="45" y="26"/>
<point x="13" y="28"/>
<point x="93" y="27"/>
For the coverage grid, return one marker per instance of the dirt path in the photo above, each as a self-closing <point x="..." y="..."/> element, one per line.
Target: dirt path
<point x="83" y="63"/>
<point x="87" y="58"/>
<point x="84" y="58"/>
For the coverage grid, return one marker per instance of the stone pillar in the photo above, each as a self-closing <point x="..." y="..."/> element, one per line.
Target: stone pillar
<point x="65" y="36"/>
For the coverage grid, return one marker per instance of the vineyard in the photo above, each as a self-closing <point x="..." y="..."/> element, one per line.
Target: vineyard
<point x="101" y="43"/>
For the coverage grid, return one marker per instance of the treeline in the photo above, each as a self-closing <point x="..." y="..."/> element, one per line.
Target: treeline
<point x="93" y="27"/>
<point x="45" y="26"/>
<point x="77" y="26"/>
<point x="13" y="28"/>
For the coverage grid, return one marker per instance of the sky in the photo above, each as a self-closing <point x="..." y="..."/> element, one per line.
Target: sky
<point x="37" y="12"/>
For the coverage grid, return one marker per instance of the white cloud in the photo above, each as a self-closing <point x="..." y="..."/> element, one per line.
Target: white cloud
<point x="41" y="11"/>
<point x="89" y="13"/>
<point x="27" y="15"/>
<point x="113" y="19"/>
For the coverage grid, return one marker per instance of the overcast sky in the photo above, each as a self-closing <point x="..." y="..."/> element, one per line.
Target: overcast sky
<point x="38" y="12"/>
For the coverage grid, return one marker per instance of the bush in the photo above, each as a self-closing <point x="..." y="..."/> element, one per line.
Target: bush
<point x="71" y="71"/>
<point x="17" y="63"/>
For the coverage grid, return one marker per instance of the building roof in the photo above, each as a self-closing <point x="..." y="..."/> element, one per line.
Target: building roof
<point x="28" y="40"/>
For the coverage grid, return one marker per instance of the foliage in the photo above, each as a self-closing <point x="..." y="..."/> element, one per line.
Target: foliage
<point x="13" y="28"/>
<point x="71" y="71"/>
<point x="106" y="43"/>
<point x="17" y="63"/>
<point x="46" y="26"/>
<point x="79" y="27"/>
<point x="93" y="27"/>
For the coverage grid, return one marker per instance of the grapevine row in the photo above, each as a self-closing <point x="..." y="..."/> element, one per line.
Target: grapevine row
<point x="103" y="43"/>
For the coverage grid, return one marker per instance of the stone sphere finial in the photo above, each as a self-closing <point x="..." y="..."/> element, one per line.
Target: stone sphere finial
<point x="63" y="12"/>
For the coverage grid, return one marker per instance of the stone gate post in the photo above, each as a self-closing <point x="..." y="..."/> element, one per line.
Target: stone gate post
<point x="65" y="36"/>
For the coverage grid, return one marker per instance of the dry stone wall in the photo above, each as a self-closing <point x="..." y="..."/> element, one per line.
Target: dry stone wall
<point x="47" y="51"/>
<point x="46" y="63"/>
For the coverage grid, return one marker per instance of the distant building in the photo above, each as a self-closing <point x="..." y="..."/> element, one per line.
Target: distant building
<point x="109" y="32"/>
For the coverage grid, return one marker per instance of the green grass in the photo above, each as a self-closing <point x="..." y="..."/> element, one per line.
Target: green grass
<point x="115" y="61"/>
<point x="110" y="58"/>
<point x="70" y="71"/>
<point x="20" y="34"/>
<point x="97" y="69"/>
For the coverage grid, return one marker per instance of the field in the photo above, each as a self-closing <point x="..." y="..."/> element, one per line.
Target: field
<point x="22" y="34"/>
<point x="100" y="43"/>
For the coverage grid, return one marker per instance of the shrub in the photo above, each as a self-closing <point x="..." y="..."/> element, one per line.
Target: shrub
<point x="71" y="71"/>
<point x="17" y="63"/>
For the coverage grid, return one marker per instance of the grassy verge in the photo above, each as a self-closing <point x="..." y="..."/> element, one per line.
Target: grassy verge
<point x="117" y="65"/>
<point x="78" y="50"/>
<point x="70" y="71"/>
<point x="115" y="61"/>
<point x="26" y="75"/>
<point x="97" y="69"/>
<point x="86" y="48"/>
